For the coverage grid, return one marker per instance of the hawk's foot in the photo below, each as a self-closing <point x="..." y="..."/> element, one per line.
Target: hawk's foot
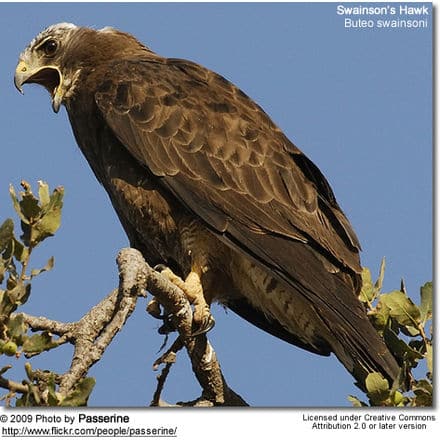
<point x="203" y="321"/>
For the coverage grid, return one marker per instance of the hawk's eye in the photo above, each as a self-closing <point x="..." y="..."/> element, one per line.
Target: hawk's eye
<point x="49" y="47"/>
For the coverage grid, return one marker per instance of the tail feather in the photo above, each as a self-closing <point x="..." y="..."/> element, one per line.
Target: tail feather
<point x="330" y="289"/>
<point x="351" y="336"/>
<point x="364" y="352"/>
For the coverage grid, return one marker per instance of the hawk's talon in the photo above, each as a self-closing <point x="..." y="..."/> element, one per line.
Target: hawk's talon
<point x="203" y="327"/>
<point x="166" y="328"/>
<point x="153" y="309"/>
<point x="160" y="267"/>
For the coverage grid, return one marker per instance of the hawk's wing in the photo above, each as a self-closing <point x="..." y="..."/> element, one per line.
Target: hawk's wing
<point x="221" y="155"/>
<point x="227" y="163"/>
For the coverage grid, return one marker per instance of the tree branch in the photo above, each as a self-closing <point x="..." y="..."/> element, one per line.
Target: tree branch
<point x="13" y="386"/>
<point x="42" y="323"/>
<point x="92" y="334"/>
<point x="95" y="330"/>
<point x="203" y="358"/>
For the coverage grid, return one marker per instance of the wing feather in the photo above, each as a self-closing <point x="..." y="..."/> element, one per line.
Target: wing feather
<point x="222" y="156"/>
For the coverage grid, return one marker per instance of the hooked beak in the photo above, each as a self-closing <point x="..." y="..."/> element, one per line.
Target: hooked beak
<point x="48" y="76"/>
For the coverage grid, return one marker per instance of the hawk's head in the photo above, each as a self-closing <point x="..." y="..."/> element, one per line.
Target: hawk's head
<point x="43" y="62"/>
<point x="56" y="57"/>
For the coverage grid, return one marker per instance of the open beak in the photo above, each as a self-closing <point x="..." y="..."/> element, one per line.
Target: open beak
<point x="48" y="76"/>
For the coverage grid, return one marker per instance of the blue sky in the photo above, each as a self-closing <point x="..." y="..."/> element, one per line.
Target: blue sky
<point x="358" y="102"/>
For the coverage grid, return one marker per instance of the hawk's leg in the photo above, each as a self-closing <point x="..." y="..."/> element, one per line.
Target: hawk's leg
<point x="203" y="321"/>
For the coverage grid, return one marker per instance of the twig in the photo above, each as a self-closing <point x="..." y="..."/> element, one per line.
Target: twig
<point x="95" y="330"/>
<point x="161" y="378"/>
<point x="41" y="323"/>
<point x="13" y="386"/>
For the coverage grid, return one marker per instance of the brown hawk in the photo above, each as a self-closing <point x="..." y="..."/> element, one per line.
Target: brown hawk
<point x="204" y="182"/>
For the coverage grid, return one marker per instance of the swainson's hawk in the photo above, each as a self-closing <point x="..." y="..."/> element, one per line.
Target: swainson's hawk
<point x="204" y="182"/>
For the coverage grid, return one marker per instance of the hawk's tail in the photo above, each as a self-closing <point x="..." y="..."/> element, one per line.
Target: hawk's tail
<point x="363" y="351"/>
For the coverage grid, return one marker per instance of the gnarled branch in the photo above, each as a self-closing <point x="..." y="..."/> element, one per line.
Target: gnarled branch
<point x="92" y="334"/>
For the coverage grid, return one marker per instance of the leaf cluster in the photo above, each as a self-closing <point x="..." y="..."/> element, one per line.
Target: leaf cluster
<point x="42" y="390"/>
<point x="40" y="218"/>
<point x="407" y="331"/>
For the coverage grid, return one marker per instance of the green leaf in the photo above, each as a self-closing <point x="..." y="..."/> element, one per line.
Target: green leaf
<point x="50" y="219"/>
<point x="398" y="399"/>
<point x="16" y="203"/>
<point x="21" y="252"/>
<point x="35" y="395"/>
<point x="370" y="292"/>
<point x="29" y="206"/>
<point x="27" y="292"/>
<point x="400" y="348"/>
<point x="14" y="296"/>
<point x="55" y="200"/>
<point x="17" y="294"/>
<point x="356" y="402"/>
<point x="39" y="218"/>
<point x="38" y="343"/>
<point x="423" y="393"/>
<point x="45" y="227"/>
<point x="426" y="302"/>
<point x="6" y="233"/>
<point x="52" y="398"/>
<point x="43" y="193"/>
<point x="401" y="308"/>
<point x="49" y="265"/>
<point x="379" y="317"/>
<point x="367" y="292"/>
<point x="80" y="394"/>
<point x="377" y="387"/>
<point x="22" y="401"/>
<point x="378" y="284"/>
<point x="16" y="328"/>
<point x="410" y="330"/>
<point x="425" y="385"/>
<point x="428" y="356"/>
